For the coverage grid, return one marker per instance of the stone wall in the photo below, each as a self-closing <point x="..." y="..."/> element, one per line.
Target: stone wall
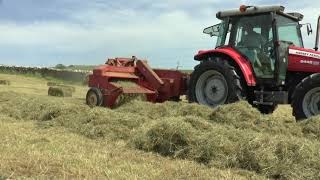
<point x="68" y="75"/>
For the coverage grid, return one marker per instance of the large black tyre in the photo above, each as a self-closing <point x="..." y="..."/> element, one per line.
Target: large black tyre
<point x="94" y="97"/>
<point x="306" y="98"/>
<point x="214" y="82"/>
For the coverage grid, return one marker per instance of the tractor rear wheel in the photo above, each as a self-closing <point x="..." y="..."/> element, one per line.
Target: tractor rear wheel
<point x="94" y="97"/>
<point x="306" y="97"/>
<point x="214" y="82"/>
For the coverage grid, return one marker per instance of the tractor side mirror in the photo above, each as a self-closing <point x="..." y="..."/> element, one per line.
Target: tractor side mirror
<point x="309" y="29"/>
<point x="212" y="30"/>
<point x="208" y="30"/>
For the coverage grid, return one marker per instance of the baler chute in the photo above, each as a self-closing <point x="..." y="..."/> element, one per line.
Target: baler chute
<point x="157" y="85"/>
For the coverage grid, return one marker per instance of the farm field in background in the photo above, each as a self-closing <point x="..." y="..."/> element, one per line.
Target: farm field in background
<point x="52" y="137"/>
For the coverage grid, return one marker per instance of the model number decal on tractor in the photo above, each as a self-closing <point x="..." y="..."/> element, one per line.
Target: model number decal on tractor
<point x="304" y="53"/>
<point x="315" y="63"/>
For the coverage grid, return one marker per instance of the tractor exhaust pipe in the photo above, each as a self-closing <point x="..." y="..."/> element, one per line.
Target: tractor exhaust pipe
<point x="317" y="35"/>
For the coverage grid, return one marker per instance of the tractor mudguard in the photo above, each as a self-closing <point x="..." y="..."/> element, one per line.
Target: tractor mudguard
<point x="243" y="63"/>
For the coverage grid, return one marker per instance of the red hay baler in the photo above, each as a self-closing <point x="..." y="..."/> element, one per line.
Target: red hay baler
<point x="158" y="85"/>
<point x="259" y="57"/>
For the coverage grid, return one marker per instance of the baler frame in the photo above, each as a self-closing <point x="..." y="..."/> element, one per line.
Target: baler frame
<point x="156" y="84"/>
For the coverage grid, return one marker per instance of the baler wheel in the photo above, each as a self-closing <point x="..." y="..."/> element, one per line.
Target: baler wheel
<point x="94" y="97"/>
<point x="214" y="82"/>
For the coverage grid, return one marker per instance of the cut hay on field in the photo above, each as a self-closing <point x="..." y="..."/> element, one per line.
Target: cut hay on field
<point x="124" y="83"/>
<point x="232" y="137"/>
<point x="4" y="82"/>
<point x="244" y="116"/>
<point x="59" y="91"/>
<point x="125" y="98"/>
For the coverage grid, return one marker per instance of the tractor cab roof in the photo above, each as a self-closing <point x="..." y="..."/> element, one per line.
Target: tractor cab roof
<point x="252" y="10"/>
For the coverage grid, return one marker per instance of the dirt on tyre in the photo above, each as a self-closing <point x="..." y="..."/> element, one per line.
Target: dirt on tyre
<point x="94" y="97"/>
<point x="306" y="98"/>
<point x="214" y="82"/>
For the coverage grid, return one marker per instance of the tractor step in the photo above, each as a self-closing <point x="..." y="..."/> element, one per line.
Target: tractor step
<point x="270" y="97"/>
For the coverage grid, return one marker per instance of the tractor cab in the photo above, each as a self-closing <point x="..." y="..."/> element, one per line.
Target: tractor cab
<point x="262" y="35"/>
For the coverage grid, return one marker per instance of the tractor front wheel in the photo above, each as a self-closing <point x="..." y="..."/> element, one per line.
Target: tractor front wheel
<point x="214" y="82"/>
<point x="94" y="97"/>
<point x="306" y="97"/>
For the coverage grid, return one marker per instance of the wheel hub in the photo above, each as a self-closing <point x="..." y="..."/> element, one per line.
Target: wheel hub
<point x="211" y="88"/>
<point x="92" y="99"/>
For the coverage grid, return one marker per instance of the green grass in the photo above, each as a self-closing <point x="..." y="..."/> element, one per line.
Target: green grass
<point x="50" y="137"/>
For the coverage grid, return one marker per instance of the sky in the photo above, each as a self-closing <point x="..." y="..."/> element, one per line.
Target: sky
<point x="167" y="33"/>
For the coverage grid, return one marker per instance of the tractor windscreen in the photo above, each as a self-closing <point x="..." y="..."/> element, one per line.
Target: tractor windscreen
<point x="289" y="30"/>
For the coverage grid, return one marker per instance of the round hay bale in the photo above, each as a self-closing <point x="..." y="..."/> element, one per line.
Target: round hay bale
<point x="5" y="82"/>
<point x="59" y="91"/>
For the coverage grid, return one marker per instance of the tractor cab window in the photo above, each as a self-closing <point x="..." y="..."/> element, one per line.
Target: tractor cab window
<point x="224" y="33"/>
<point x="251" y="37"/>
<point x="289" y="30"/>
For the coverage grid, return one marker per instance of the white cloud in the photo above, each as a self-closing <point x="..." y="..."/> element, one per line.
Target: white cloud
<point x="163" y="37"/>
<point x="133" y="37"/>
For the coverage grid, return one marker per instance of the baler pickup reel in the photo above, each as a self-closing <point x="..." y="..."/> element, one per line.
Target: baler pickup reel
<point x="131" y="76"/>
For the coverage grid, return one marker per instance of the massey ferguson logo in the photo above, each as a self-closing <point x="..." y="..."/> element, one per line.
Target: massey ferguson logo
<point x="305" y="54"/>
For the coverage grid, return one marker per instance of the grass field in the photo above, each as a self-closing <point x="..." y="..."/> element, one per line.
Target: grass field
<point x="49" y="137"/>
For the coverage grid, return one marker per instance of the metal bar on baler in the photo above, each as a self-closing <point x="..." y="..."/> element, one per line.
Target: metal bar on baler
<point x="149" y="74"/>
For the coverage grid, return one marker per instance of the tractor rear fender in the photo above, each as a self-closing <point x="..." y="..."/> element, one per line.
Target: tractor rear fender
<point x="237" y="59"/>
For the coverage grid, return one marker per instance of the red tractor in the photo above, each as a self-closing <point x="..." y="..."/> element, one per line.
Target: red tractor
<point x="259" y="57"/>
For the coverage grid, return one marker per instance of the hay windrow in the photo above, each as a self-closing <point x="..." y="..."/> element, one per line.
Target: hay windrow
<point x="243" y="116"/>
<point x="311" y="128"/>
<point x="166" y="109"/>
<point x="234" y="136"/>
<point x="5" y="82"/>
<point x="169" y="137"/>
